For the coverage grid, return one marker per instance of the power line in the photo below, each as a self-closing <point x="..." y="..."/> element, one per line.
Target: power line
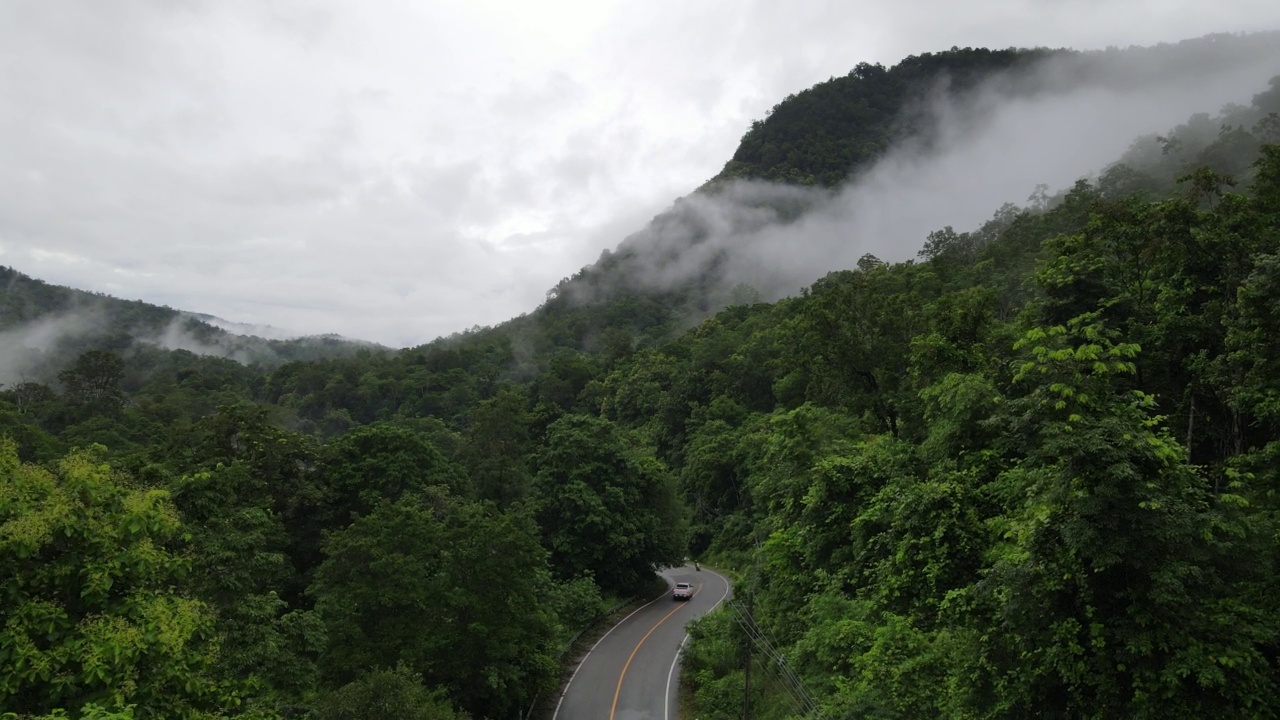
<point x="797" y="695"/>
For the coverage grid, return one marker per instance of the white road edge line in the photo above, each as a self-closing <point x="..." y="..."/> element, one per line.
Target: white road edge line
<point x="666" y="705"/>
<point x="565" y="690"/>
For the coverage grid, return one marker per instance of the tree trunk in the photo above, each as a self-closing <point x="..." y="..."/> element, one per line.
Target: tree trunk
<point x="1191" y="424"/>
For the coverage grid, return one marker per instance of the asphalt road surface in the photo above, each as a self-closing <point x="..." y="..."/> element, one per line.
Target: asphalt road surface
<point x="632" y="672"/>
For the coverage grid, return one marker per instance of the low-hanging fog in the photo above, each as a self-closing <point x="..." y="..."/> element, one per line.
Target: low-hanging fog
<point x="26" y="350"/>
<point x="23" y="348"/>
<point x="989" y="149"/>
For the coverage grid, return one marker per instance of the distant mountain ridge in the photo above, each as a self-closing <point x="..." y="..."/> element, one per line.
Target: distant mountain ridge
<point x="44" y="326"/>
<point x="267" y="332"/>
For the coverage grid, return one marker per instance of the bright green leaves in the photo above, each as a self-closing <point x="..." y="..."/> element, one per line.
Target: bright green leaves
<point x="1095" y="353"/>
<point x="1073" y="369"/>
<point x="712" y="665"/>
<point x="86" y="593"/>
<point x="920" y="540"/>
<point x="899" y="670"/>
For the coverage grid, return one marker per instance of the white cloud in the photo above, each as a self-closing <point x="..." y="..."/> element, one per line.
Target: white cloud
<point x="396" y="170"/>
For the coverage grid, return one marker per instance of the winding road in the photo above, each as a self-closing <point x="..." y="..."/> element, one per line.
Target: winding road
<point x="631" y="672"/>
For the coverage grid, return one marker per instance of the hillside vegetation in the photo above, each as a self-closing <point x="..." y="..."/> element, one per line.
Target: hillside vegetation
<point x="45" y="327"/>
<point x="1032" y="473"/>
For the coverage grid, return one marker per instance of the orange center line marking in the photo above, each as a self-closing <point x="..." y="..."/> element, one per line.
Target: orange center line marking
<point x="618" y="691"/>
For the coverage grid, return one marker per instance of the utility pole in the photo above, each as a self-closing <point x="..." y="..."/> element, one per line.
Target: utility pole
<point x="750" y="617"/>
<point x="746" y="669"/>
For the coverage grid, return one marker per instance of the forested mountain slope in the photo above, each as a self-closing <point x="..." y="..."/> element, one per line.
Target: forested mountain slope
<point x="1003" y="499"/>
<point x="718" y="246"/>
<point x="44" y="327"/>
<point x="832" y="130"/>
<point x="1030" y="473"/>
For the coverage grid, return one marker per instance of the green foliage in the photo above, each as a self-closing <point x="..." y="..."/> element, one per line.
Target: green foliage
<point x="93" y="382"/>
<point x="824" y="134"/>
<point x="605" y="505"/>
<point x="712" y="666"/>
<point x="498" y="443"/>
<point x="1029" y="495"/>
<point x="87" y="595"/>
<point x="454" y="591"/>
<point x="1103" y="582"/>
<point x="881" y="665"/>
<point x="850" y="333"/>
<point x="382" y="694"/>
<point x="383" y="461"/>
<point x="33" y="443"/>
<point x="239" y="551"/>
<point x="576" y="604"/>
<point x="713" y="479"/>
<point x="90" y="711"/>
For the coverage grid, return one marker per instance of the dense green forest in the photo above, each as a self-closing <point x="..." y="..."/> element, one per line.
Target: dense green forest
<point x="1032" y="473"/>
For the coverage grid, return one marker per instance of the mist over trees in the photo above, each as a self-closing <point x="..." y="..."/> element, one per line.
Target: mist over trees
<point x="1030" y="472"/>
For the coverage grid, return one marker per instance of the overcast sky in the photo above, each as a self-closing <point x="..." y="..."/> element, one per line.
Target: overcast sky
<point x="399" y="170"/>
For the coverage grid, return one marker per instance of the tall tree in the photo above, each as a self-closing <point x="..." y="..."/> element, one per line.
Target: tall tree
<point x="93" y="382"/>
<point x="605" y="505"/>
<point x="455" y="591"/>
<point x="498" y="445"/>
